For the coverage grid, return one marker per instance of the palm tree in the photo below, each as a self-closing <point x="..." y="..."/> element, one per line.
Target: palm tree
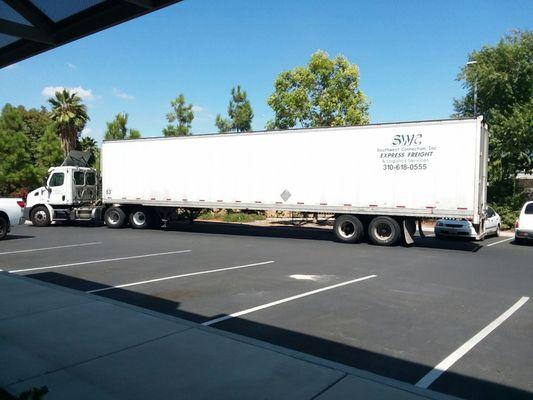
<point x="70" y="117"/>
<point x="88" y="144"/>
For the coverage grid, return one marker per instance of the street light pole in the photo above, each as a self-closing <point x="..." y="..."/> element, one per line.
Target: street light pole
<point x="468" y="64"/>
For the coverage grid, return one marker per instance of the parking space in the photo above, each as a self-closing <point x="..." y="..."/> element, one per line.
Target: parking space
<point x="398" y="312"/>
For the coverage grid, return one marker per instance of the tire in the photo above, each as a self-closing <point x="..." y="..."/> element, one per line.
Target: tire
<point x="115" y="218"/>
<point x="348" y="229"/>
<point x="140" y="218"/>
<point x="384" y="231"/>
<point x="40" y="216"/>
<point x="497" y="233"/>
<point x="4" y="227"/>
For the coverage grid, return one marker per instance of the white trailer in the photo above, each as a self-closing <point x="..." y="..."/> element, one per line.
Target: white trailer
<point x="376" y="179"/>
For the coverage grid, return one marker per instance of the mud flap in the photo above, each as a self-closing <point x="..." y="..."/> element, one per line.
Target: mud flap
<point x="422" y="235"/>
<point x="406" y="234"/>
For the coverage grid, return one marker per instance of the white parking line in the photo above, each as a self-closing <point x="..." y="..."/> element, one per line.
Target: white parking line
<point x="275" y="303"/>
<point x="50" y="248"/>
<point x="436" y="372"/>
<point x="179" y="276"/>
<point x="99" y="261"/>
<point x="501" y="241"/>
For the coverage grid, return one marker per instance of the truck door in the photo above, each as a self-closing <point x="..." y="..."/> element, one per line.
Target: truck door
<point x="57" y="185"/>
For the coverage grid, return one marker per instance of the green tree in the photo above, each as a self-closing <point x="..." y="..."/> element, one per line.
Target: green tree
<point x="70" y="117"/>
<point x="16" y="171"/>
<point x="503" y="75"/>
<point x="36" y="121"/>
<point x="239" y="111"/>
<point x="118" y="130"/>
<point x="134" y="134"/>
<point x="223" y="124"/>
<point x="89" y="145"/>
<point x="31" y="122"/>
<point x="49" y="151"/>
<point x="180" y="118"/>
<point x="323" y="93"/>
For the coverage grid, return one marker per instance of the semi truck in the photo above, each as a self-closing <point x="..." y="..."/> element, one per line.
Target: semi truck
<point x="376" y="180"/>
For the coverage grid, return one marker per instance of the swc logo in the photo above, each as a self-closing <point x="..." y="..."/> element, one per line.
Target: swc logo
<point x="407" y="140"/>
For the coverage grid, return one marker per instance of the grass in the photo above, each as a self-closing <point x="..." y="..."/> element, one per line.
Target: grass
<point x="231" y="216"/>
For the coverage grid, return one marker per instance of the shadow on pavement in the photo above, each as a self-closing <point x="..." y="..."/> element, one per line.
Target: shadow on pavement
<point x="309" y="233"/>
<point x="381" y="364"/>
<point x="460" y="244"/>
<point x="15" y="237"/>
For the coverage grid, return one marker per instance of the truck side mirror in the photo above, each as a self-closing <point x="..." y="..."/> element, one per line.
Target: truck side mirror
<point x="45" y="183"/>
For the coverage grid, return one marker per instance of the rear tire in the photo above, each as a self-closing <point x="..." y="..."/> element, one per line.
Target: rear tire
<point x="384" y="231"/>
<point x="115" y="218"/>
<point x="140" y="218"/>
<point x="348" y="229"/>
<point x="40" y="216"/>
<point x="4" y="226"/>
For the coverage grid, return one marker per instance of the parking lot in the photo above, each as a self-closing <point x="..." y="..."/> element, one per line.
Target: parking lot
<point x="454" y="316"/>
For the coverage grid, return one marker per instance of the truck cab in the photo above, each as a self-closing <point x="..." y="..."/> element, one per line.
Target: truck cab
<point x="69" y="193"/>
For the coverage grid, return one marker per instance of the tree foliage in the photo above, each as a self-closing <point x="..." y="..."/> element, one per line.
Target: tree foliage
<point x="180" y="118"/>
<point x="49" y="151"/>
<point x="70" y="116"/>
<point x="89" y="145"/>
<point x="325" y="92"/>
<point x="504" y="77"/>
<point x="16" y="170"/>
<point x="240" y="113"/>
<point x="118" y="129"/>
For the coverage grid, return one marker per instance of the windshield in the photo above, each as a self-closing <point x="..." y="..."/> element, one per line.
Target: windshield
<point x="529" y="209"/>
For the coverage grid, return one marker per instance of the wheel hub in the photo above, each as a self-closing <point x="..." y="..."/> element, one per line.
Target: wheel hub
<point x="40" y="215"/>
<point x="139" y="218"/>
<point x="347" y="229"/>
<point x="384" y="231"/>
<point x="114" y="217"/>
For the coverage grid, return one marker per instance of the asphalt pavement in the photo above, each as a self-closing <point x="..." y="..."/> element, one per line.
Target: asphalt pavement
<point x="450" y="315"/>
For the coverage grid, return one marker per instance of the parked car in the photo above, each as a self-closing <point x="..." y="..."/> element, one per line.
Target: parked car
<point x="11" y="213"/>
<point x="524" y="225"/>
<point x="464" y="228"/>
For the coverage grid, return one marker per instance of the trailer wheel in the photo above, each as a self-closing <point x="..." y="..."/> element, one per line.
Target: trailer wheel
<point x="115" y="218"/>
<point x="40" y="216"/>
<point x="348" y="229"/>
<point x="384" y="231"/>
<point x="140" y="218"/>
<point x="4" y="226"/>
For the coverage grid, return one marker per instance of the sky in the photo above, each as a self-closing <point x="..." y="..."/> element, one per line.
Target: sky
<point x="408" y="52"/>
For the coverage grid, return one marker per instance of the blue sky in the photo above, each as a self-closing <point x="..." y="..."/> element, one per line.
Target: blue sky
<point x="408" y="52"/>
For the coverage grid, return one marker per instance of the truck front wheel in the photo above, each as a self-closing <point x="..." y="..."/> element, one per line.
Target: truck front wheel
<point x="40" y="216"/>
<point x="115" y="218"/>
<point x="348" y="229"/>
<point x="139" y="218"/>
<point x="384" y="231"/>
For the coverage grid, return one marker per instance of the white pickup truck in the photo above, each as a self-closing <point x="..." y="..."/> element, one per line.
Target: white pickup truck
<point x="11" y="213"/>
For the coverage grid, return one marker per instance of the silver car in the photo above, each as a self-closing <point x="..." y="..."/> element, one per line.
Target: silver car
<point x="464" y="228"/>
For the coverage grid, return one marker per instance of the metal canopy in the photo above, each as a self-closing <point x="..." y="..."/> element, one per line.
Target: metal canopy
<point x="29" y="27"/>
